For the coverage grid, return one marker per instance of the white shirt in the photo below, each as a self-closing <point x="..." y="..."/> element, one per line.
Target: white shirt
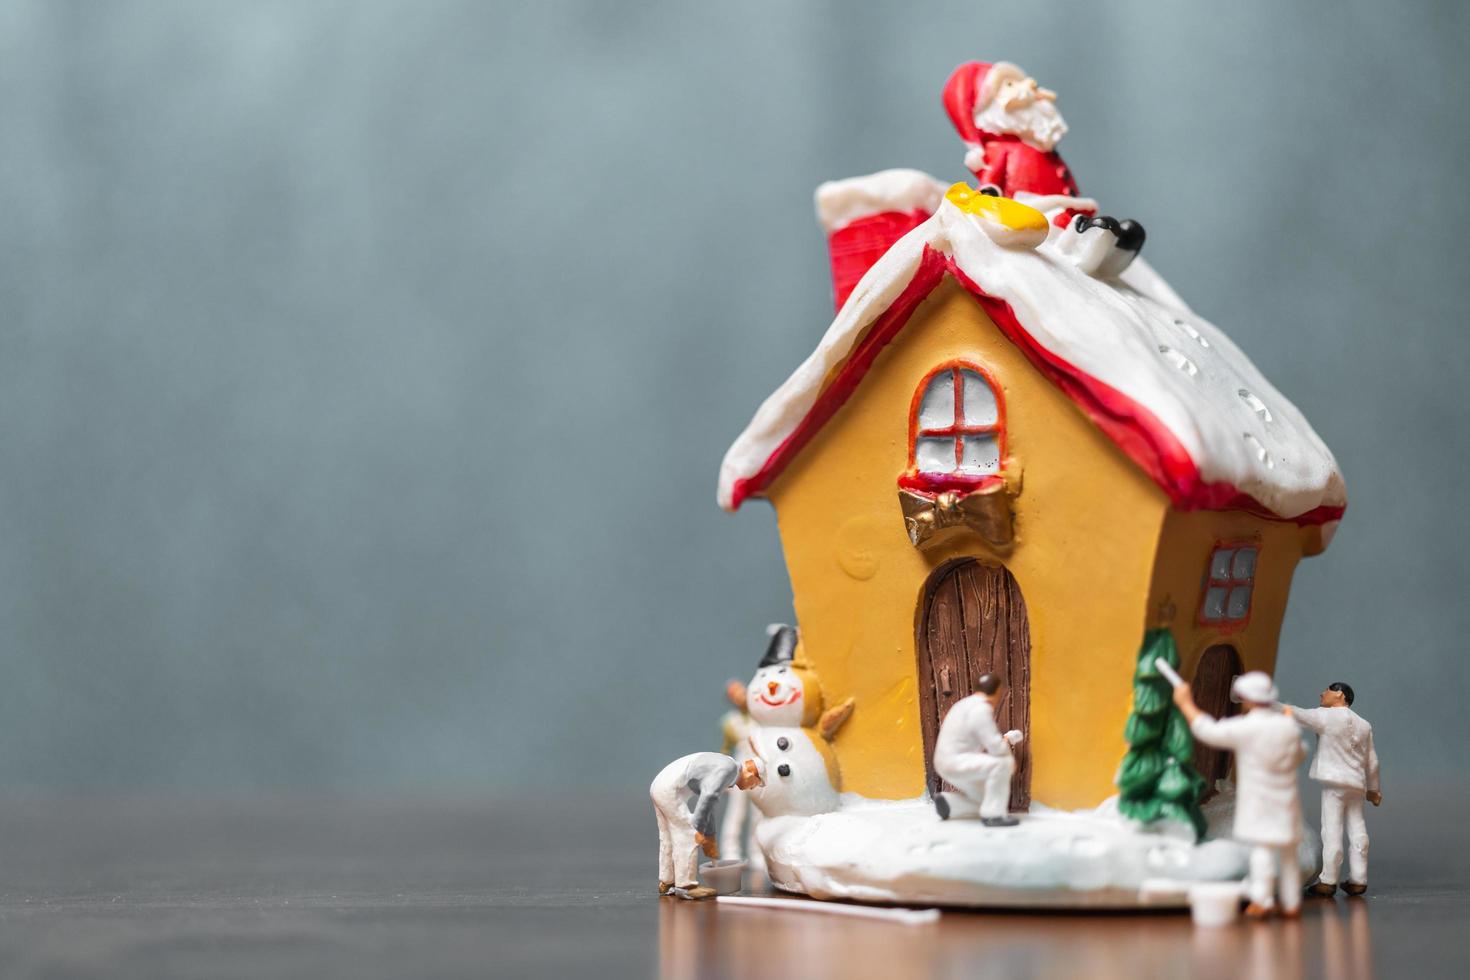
<point x="1345" y="753"/>
<point x="693" y="784"/>
<point x="968" y="732"/>
<point x="1268" y="748"/>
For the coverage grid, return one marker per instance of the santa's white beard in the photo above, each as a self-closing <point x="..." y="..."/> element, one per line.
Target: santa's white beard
<point x="1039" y="124"/>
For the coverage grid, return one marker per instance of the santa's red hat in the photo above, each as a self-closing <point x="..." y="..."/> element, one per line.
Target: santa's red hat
<point x="971" y="87"/>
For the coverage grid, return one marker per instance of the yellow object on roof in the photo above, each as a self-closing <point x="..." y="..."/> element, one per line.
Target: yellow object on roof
<point x="1001" y="210"/>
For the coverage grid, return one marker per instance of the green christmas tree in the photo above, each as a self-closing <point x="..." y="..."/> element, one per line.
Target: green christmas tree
<point x="1157" y="780"/>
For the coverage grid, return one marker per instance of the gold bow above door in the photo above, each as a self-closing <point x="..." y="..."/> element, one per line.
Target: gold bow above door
<point x="986" y="512"/>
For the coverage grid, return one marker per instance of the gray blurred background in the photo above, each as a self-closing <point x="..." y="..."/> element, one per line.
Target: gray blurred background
<point x="365" y="368"/>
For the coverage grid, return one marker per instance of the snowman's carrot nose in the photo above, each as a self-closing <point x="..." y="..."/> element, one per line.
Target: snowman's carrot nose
<point x="771" y="687"/>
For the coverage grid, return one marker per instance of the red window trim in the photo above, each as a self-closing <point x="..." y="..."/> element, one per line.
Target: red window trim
<point x="1223" y="625"/>
<point x="912" y="479"/>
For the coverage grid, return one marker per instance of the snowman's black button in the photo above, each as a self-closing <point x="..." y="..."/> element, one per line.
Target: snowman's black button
<point x="783" y="743"/>
<point x="783" y="770"/>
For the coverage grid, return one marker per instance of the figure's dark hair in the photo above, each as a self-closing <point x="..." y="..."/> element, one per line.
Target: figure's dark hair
<point x="1346" y="689"/>
<point x="988" y="684"/>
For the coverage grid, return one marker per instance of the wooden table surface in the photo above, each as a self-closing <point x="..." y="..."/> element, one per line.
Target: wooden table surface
<point x="554" y="885"/>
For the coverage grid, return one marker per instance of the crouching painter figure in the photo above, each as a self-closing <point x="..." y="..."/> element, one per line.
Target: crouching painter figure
<point x="684" y="796"/>
<point x="976" y="758"/>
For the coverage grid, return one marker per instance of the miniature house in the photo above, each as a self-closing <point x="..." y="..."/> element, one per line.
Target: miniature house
<point x="995" y="461"/>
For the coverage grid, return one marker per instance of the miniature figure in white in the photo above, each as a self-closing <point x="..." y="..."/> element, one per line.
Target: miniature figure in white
<point x="740" y="816"/>
<point x="972" y="754"/>
<point x="684" y="796"/>
<point x="1268" y="815"/>
<point x="1346" y="765"/>
<point x="791" y="734"/>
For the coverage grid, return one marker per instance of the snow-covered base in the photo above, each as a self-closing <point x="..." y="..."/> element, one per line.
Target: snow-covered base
<point x="901" y="852"/>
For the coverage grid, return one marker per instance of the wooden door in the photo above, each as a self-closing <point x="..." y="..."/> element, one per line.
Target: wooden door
<point x="974" y="622"/>
<point x="1217" y="670"/>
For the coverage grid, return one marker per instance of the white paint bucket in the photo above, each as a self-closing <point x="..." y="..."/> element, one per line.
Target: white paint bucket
<point x="1214" y="903"/>
<point x="726" y="876"/>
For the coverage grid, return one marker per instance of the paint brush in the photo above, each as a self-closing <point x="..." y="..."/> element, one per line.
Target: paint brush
<point x="1170" y="674"/>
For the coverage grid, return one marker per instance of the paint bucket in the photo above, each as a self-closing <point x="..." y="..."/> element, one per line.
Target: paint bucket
<point x="726" y="877"/>
<point x="1214" y="903"/>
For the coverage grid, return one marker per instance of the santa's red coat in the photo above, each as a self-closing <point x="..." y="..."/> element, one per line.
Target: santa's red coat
<point x="1014" y="165"/>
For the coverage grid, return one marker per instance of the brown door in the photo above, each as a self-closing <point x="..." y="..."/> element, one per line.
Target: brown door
<point x="1217" y="670"/>
<point x="973" y="623"/>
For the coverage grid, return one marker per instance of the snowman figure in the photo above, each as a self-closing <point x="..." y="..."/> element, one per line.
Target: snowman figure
<point x="790" y="732"/>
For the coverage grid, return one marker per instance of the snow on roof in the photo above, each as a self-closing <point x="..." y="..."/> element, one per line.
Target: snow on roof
<point x="1168" y="387"/>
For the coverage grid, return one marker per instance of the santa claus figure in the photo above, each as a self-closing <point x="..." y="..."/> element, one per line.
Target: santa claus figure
<point x="1011" y="127"/>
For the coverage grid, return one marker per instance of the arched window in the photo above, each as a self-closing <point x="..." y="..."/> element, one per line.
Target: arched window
<point x="957" y="429"/>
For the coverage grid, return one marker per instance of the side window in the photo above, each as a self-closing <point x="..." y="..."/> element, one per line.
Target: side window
<point x="1229" y="581"/>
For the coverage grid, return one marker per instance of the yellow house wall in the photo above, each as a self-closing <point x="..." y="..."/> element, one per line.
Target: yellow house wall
<point x="1087" y="526"/>
<point x="1179" y="582"/>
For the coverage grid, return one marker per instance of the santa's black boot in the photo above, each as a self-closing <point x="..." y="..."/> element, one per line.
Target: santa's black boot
<point x="1101" y="246"/>
<point x="1131" y="236"/>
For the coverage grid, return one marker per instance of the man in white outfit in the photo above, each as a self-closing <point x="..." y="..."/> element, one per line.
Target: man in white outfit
<point x="684" y="795"/>
<point x="740" y="817"/>
<point x="1268" y="812"/>
<point x="972" y="754"/>
<point x="1347" y="767"/>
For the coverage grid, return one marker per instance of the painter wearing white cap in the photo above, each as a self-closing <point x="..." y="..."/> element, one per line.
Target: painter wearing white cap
<point x="1268" y="813"/>
<point x="1254" y="687"/>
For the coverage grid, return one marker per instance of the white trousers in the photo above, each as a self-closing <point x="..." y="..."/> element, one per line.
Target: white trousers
<point x="678" y="854"/>
<point x="1261" y="886"/>
<point x="1339" y="803"/>
<point x="986" y="780"/>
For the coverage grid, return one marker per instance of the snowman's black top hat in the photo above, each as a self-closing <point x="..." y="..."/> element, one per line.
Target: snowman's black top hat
<point x="782" y="648"/>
